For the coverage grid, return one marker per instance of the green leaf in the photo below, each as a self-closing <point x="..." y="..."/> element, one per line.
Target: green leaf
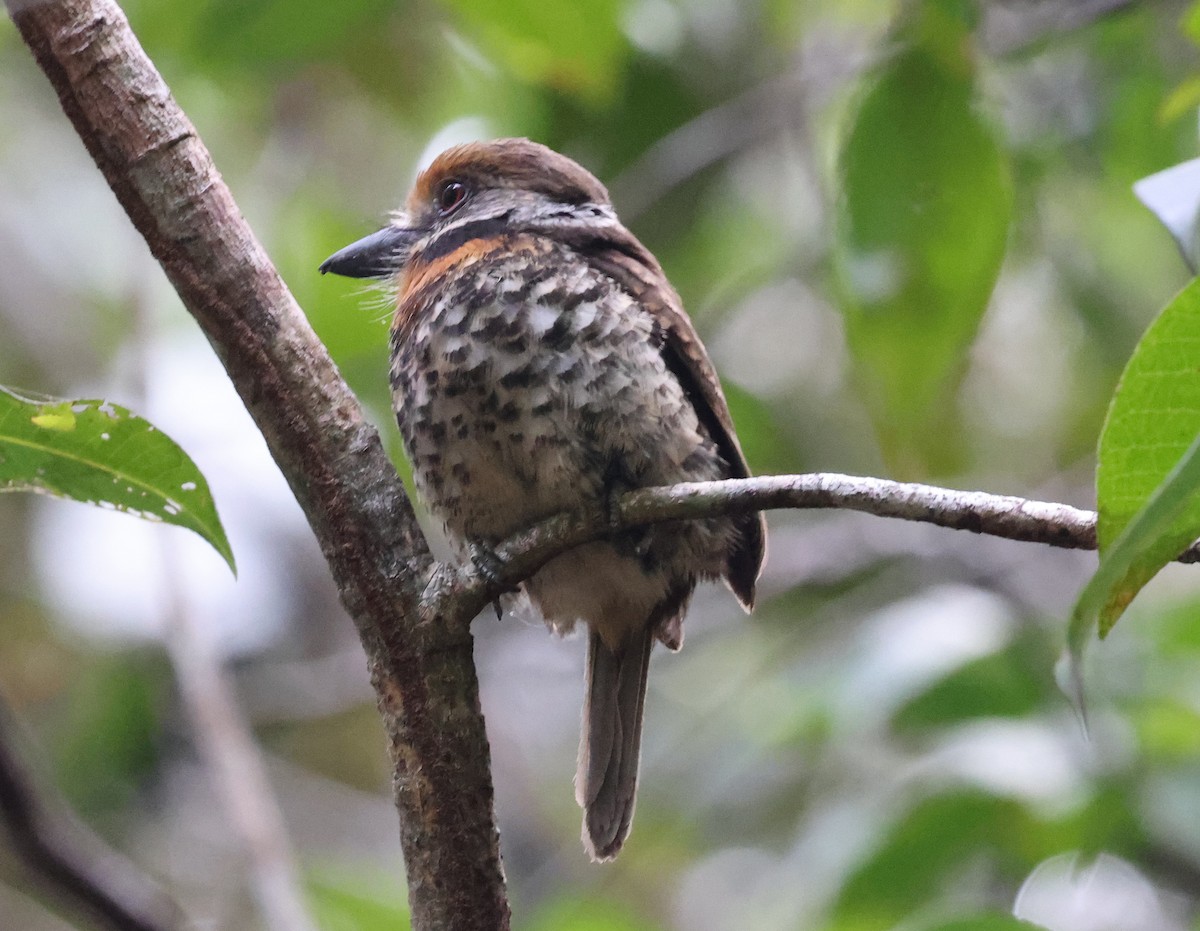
<point x="1190" y="23"/>
<point x="922" y="853"/>
<point x="1148" y="467"/>
<point x="1009" y="684"/>
<point x="574" y="48"/>
<point x="766" y="448"/>
<point x="1167" y="731"/>
<point x="572" y="913"/>
<point x="99" y="453"/>
<point x="921" y="232"/>
<point x="223" y="37"/>
<point x="356" y="904"/>
<point x="109" y="740"/>
<point x="983" y="923"/>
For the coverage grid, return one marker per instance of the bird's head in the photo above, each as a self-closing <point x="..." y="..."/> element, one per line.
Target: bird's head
<point x="480" y="189"/>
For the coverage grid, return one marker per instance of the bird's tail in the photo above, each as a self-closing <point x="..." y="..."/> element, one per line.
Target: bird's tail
<point x="609" y="745"/>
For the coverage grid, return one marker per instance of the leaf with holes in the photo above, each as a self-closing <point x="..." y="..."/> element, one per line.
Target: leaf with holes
<point x="99" y="453"/>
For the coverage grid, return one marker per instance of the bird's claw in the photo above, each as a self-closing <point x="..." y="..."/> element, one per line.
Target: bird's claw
<point x="635" y="540"/>
<point x="491" y="567"/>
<point x="611" y="502"/>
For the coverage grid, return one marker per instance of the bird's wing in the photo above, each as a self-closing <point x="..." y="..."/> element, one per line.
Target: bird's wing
<point x="622" y="257"/>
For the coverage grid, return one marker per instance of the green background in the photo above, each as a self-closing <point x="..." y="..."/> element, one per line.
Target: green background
<point x="905" y="232"/>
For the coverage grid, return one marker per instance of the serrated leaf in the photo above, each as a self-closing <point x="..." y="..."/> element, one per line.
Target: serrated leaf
<point x="100" y="453"/>
<point x="921" y="233"/>
<point x="1148" y="468"/>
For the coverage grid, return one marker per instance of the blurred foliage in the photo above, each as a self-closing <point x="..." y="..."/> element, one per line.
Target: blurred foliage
<point x="592" y="914"/>
<point x="1002" y="684"/>
<point x="575" y="49"/>
<point x="111" y="734"/>
<point x="985" y="923"/>
<point x="926" y="852"/>
<point x="922" y="231"/>
<point x="344" y="905"/>
<point x="906" y="233"/>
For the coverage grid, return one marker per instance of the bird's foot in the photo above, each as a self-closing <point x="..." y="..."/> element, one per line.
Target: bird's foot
<point x="610" y="501"/>
<point x="489" y="565"/>
<point x="633" y="540"/>
<point x="616" y="482"/>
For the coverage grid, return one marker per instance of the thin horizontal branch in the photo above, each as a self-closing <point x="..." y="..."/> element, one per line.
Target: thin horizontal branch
<point x="1004" y="516"/>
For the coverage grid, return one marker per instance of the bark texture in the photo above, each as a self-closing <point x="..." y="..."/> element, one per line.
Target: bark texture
<point x="420" y="658"/>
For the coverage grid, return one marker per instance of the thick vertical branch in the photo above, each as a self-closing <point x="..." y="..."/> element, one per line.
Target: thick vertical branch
<point x="421" y="663"/>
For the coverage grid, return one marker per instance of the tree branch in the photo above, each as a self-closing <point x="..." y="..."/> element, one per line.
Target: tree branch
<point x="234" y="760"/>
<point x="1004" y="516"/>
<point x="221" y="732"/>
<point x="411" y="612"/>
<point x="420" y="657"/>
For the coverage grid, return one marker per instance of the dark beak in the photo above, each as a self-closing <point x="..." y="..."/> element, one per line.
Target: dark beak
<point x="379" y="255"/>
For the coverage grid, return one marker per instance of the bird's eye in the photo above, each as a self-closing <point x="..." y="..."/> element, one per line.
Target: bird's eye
<point x="450" y="195"/>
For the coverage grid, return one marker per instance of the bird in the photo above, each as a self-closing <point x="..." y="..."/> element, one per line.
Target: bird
<point x="540" y="361"/>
